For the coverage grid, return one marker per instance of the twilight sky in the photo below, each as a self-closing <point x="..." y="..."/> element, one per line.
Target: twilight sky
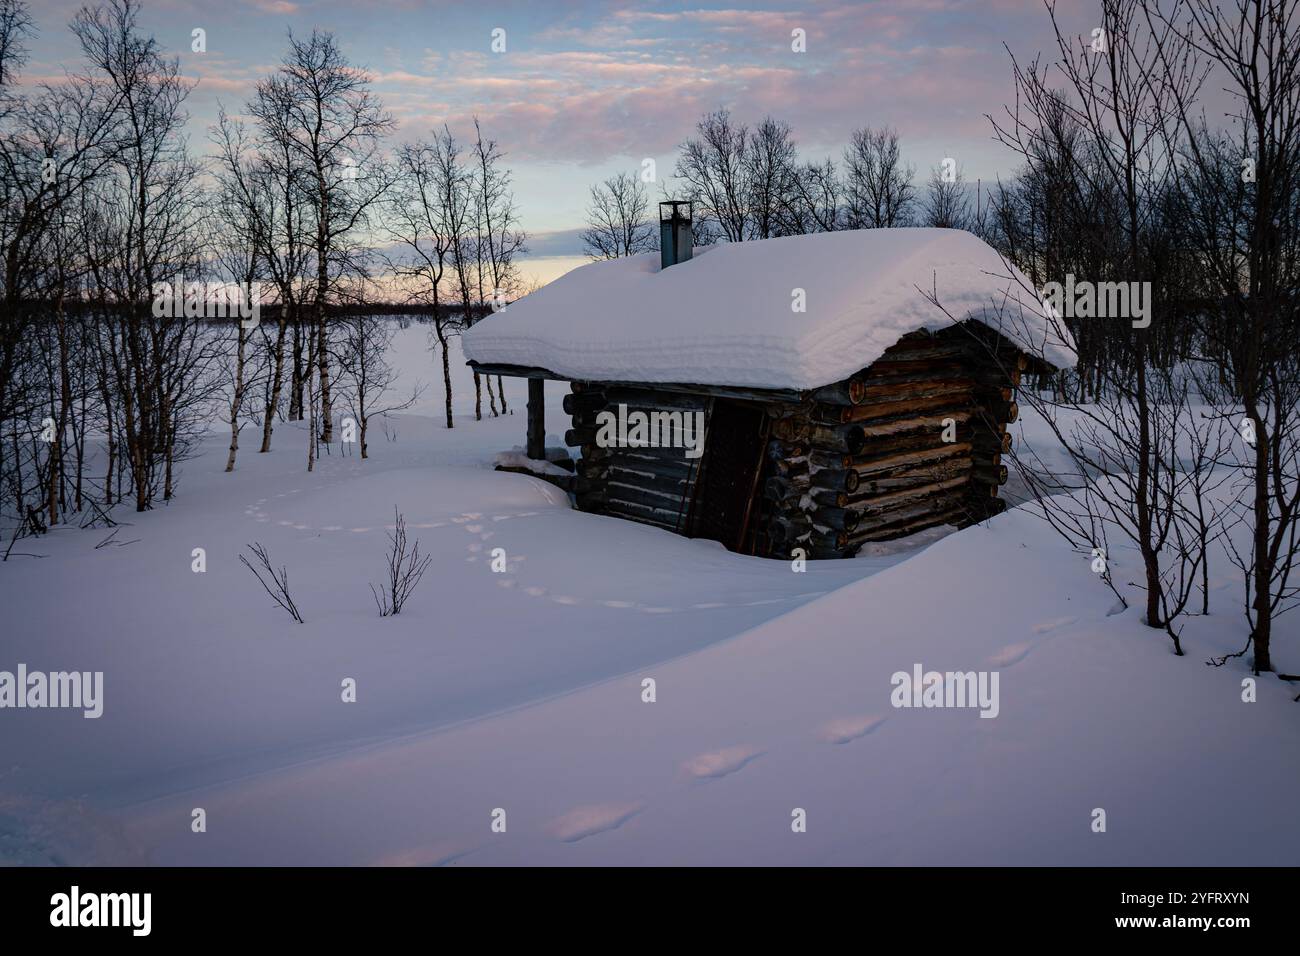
<point x="587" y="89"/>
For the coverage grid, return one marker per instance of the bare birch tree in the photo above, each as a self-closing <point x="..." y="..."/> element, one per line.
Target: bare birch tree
<point x="878" y="184"/>
<point x="319" y="110"/>
<point x="618" y="219"/>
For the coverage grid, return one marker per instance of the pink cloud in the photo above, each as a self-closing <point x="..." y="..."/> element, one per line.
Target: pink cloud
<point x="281" y="7"/>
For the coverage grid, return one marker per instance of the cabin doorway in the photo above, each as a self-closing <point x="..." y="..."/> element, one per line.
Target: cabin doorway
<point x="724" y="504"/>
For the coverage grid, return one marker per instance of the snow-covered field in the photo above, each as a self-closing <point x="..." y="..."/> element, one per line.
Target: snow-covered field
<point x="518" y="696"/>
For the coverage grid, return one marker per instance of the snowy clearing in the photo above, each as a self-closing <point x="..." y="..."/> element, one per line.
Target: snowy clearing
<point x="523" y="691"/>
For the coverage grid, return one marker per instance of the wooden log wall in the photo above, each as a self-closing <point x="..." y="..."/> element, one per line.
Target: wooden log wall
<point x="914" y="441"/>
<point x="650" y="485"/>
<point x="867" y="460"/>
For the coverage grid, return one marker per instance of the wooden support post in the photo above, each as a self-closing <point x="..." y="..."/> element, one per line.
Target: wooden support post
<point x="537" y="419"/>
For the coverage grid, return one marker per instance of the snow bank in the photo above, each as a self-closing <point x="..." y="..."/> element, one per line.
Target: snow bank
<point x="518" y="458"/>
<point x="1094" y="712"/>
<point x="727" y="316"/>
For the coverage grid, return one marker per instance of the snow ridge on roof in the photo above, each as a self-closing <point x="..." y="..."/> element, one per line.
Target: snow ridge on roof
<point x="727" y="316"/>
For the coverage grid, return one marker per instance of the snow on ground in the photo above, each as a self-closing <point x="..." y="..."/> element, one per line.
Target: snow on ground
<point x="793" y="312"/>
<point x="522" y="691"/>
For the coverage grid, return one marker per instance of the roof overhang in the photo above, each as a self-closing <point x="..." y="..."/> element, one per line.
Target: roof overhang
<point x="690" y="388"/>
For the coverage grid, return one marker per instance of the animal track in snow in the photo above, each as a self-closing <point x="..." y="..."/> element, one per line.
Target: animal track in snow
<point x="719" y="763"/>
<point x="582" y="822"/>
<point x="439" y="854"/>
<point x="842" y="730"/>
<point x="1053" y="624"/>
<point x="473" y="523"/>
<point x="1011" y="654"/>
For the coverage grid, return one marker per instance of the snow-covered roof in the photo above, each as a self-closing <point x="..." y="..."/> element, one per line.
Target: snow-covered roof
<point x="728" y="316"/>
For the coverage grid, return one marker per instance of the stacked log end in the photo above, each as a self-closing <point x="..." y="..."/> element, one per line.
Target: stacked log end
<point x="912" y="442"/>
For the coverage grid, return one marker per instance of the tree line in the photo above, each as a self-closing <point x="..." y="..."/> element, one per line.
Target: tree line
<point x="749" y="183"/>
<point x="295" y="203"/>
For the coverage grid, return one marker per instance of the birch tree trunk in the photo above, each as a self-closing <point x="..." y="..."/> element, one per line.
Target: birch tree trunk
<point x="237" y="399"/>
<point x="277" y="383"/>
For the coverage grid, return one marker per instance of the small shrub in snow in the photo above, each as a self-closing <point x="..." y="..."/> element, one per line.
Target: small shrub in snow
<point x="404" y="570"/>
<point x="280" y="593"/>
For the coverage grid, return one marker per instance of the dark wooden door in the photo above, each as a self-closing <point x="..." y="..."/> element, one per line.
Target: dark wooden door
<point x="724" y="502"/>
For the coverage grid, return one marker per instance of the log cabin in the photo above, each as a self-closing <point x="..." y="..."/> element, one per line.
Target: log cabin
<point x="853" y="386"/>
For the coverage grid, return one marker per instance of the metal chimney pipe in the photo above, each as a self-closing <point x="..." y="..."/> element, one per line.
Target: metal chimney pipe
<point x="674" y="232"/>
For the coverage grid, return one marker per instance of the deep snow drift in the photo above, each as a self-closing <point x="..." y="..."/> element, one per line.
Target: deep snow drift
<point x="523" y="691"/>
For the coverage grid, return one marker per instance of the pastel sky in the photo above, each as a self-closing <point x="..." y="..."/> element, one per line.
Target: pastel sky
<point x="584" y="90"/>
